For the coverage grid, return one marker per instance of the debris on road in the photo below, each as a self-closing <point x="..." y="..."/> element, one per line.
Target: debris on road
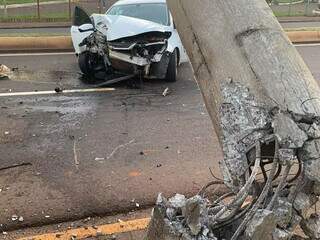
<point x="119" y="147"/>
<point x="166" y="92"/>
<point x="58" y="90"/>
<point x="14" y="217"/>
<point x="4" y="71"/>
<point x="75" y="154"/>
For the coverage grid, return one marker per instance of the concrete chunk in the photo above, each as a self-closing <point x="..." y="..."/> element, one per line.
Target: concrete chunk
<point x="177" y="201"/>
<point x="304" y="202"/>
<point x="192" y="213"/>
<point x="287" y="131"/>
<point x="280" y="234"/>
<point x="261" y="225"/>
<point x="161" y="200"/>
<point x="311" y="226"/>
<point x="283" y="213"/>
<point x="311" y="158"/>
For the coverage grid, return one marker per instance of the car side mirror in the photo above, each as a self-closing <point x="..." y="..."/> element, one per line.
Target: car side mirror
<point x="86" y="28"/>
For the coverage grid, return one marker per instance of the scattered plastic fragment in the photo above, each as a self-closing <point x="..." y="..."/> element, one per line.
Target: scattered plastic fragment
<point x="166" y="92"/>
<point x="4" y="71"/>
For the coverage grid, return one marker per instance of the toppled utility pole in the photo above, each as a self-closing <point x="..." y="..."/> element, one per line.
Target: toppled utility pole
<point x="265" y="107"/>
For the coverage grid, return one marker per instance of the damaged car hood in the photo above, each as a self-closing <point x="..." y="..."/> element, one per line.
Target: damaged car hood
<point x="122" y="27"/>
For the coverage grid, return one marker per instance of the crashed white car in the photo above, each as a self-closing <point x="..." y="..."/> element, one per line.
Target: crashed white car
<point x="135" y="37"/>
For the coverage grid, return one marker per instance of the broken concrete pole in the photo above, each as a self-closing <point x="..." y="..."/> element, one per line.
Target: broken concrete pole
<point x="245" y="66"/>
<point x="264" y="105"/>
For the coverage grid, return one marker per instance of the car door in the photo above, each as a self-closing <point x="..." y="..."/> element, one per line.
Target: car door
<point x="81" y="18"/>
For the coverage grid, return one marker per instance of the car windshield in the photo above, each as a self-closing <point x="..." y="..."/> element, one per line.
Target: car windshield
<point x="154" y="12"/>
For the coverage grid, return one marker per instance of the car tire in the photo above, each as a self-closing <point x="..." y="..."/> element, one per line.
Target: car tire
<point x="84" y="63"/>
<point x="172" y="70"/>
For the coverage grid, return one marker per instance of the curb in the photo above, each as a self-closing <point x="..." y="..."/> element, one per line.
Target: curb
<point x="57" y="43"/>
<point x="298" y="19"/>
<point x="89" y="232"/>
<point x="64" y="43"/>
<point x="31" y="25"/>
<point x="304" y="36"/>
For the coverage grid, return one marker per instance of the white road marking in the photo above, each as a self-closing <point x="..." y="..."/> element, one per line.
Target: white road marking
<point x="36" y="54"/>
<point x="307" y="44"/>
<point x="89" y="90"/>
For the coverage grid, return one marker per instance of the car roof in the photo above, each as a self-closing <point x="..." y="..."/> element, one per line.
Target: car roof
<point x="126" y="2"/>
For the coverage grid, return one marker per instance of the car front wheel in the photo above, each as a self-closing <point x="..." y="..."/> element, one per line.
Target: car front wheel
<point x="172" y="70"/>
<point x="85" y="63"/>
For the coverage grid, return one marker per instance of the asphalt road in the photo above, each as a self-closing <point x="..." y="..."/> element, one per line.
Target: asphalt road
<point x="69" y="156"/>
<point x="98" y="153"/>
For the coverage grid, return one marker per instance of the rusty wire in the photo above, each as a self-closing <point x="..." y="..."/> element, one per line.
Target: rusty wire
<point x="244" y="191"/>
<point x="260" y="199"/>
<point x="226" y="214"/>
<point x="204" y="188"/>
<point x="280" y="187"/>
<point x="255" y="207"/>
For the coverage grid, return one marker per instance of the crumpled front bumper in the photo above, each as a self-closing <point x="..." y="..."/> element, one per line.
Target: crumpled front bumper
<point x="152" y="66"/>
<point x="139" y="61"/>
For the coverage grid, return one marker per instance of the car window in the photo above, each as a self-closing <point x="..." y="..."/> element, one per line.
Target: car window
<point x="154" y="12"/>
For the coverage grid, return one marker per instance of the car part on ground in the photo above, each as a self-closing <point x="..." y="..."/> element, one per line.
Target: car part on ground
<point x="4" y="71"/>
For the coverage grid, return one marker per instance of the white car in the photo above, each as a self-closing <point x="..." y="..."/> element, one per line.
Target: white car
<point x="135" y="37"/>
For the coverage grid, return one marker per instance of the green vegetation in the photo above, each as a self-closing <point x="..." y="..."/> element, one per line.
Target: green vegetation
<point x="45" y="17"/>
<point x="22" y="1"/>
